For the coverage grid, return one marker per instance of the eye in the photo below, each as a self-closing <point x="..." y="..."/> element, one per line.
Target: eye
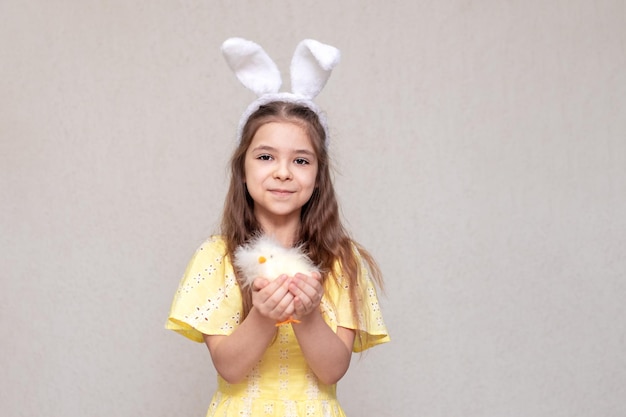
<point x="264" y="157"/>
<point x="301" y="161"/>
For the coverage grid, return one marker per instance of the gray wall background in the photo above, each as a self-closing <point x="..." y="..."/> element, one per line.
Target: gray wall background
<point x="480" y="149"/>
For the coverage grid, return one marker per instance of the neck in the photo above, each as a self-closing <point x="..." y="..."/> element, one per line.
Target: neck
<point x="284" y="230"/>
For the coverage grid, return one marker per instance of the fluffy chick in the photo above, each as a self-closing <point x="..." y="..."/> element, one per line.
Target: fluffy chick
<point x="265" y="257"/>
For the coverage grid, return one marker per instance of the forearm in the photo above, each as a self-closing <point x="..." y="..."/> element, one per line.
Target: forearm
<point x="236" y="354"/>
<point x="326" y="352"/>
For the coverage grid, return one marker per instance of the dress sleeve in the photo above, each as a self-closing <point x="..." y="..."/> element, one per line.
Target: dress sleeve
<point x="208" y="299"/>
<point x="337" y="308"/>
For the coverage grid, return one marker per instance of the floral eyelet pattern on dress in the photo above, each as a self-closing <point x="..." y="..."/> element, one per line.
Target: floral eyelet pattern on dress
<point x="208" y="301"/>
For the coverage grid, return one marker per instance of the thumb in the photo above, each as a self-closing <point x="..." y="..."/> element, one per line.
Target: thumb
<point x="259" y="284"/>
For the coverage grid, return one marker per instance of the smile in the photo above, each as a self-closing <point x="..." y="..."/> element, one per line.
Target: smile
<point x="281" y="193"/>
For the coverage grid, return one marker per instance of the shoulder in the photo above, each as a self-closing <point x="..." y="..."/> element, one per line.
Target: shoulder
<point x="354" y="252"/>
<point x="212" y="251"/>
<point x="356" y="266"/>
<point x="214" y="243"/>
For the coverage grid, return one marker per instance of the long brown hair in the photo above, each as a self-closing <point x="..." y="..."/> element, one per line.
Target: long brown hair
<point x="321" y="233"/>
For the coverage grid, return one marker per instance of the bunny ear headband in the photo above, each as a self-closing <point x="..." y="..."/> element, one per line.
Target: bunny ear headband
<point x="311" y="66"/>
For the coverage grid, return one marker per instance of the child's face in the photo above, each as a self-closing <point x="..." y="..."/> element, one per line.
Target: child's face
<point x="280" y="171"/>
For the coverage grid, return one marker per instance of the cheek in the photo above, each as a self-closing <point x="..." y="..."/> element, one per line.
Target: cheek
<point x="255" y="176"/>
<point x="247" y="172"/>
<point x="315" y="180"/>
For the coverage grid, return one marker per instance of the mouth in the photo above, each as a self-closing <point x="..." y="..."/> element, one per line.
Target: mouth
<point x="281" y="193"/>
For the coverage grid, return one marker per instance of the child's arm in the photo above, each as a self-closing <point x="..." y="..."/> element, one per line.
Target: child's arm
<point x="234" y="355"/>
<point x="327" y="353"/>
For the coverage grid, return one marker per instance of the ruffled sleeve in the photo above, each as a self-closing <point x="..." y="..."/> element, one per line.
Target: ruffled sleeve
<point x="208" y="299"/>
<point x="337" y="308"/>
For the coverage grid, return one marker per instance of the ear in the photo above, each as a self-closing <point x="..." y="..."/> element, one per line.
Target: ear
<point x="311" y="66"/>
<point x="252" y="66"/>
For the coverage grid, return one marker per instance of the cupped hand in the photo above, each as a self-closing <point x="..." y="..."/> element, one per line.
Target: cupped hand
<point x="272" y="298"/>
<point x="307" y="292"/>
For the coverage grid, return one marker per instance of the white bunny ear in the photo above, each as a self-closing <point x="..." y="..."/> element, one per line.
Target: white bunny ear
<point x="311" y="66"/>
<point x="254" y="68"/>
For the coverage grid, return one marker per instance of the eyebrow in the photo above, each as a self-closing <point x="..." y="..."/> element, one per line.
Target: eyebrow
<point x="272" y="149"/>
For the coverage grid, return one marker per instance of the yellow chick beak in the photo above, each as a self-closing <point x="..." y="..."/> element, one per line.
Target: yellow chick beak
<point x="262" y="259"/>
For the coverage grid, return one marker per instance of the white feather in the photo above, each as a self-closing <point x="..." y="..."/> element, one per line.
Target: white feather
<point x="278" y="260"/>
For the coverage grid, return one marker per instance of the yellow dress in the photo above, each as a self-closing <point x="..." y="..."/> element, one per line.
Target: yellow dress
<point x="209" y="301"/>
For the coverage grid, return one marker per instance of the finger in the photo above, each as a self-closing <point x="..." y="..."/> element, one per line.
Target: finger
<point x="303" y="295"/>
<point x="270" y="295"/>
<point x="259" y="284"/>
<point x="270" y="287"/>
<point x="299" y="306"/>
<point x="306" y="287"/>
<point x="284" y="308"/>
<point x="303" y="305"/>
<point x="277" y="291"/>
<point x="302" y="308"/>
<point x="314" y="280"/>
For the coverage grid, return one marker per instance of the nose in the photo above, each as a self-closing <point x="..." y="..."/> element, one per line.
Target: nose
<point x="283" y="171"/>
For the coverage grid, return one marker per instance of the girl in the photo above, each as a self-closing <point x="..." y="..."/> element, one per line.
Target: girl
<point x="280" y="185"/>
